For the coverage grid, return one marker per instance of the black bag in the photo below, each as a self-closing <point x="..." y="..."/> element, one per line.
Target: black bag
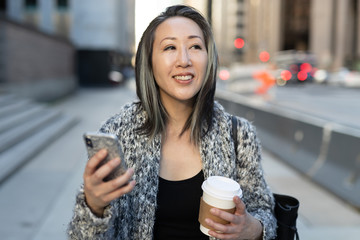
<point x="286" y="207"/>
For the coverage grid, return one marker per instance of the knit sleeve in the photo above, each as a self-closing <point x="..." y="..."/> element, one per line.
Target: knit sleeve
<point x="257" y="196"/>
<point x="86" y="225"/>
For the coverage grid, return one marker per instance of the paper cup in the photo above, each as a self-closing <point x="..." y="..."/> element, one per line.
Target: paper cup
<point x="218" y="192"/>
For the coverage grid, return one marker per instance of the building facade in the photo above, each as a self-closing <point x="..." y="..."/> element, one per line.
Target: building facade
<point x="102" y="34"/>
<point x="35" y="62"/>
<point x="328" y="28"/>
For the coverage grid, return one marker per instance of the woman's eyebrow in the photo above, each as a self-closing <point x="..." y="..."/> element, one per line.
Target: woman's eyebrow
<point x="194" y="36"/>
<point x="174" y="38"/>
<point x="167" y="38"/>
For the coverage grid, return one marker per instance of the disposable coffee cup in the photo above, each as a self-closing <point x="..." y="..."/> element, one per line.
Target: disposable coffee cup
<point x="218" y="192"/>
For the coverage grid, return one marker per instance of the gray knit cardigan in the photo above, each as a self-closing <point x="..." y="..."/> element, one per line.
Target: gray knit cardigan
<point x="132" y="216"/>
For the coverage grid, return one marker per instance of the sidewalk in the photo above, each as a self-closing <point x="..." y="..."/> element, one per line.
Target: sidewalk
<point x="321" y="215"/>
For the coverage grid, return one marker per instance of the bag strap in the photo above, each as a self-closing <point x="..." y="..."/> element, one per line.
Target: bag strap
<point x="292" y="228"/>
<point x="234" y="132"/>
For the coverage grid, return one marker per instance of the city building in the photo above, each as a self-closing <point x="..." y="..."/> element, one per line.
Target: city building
<point x="330" y="29"/>
<point x="97" y="40"/>
<point x="62" y="43"/>
<point x="36" y="60"/>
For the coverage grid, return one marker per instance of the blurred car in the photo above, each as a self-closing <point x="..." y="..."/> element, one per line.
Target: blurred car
<point x="345" y="78"/>
<point x="294" y="67"/>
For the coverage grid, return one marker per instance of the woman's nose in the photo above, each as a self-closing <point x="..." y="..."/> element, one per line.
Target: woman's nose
<point x="184" y="59"/>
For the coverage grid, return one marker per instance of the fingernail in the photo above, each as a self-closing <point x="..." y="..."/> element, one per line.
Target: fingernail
<point x="102" y="152"/>
<point x="212" y="210"/>
<point x="133" y="182"/>
<point x="130" y="171"/>
<point x="116" y="161"/>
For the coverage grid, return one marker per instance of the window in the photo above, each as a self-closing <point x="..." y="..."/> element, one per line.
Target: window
<point x="30" y="4"/>
<point x="2" y="6"/>
<point x="62" y="4"/>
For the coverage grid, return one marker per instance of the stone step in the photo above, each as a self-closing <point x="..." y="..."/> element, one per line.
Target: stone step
<point x="26" y="128"/>
<point x="17" y="118"/>
<point x="6" y="98"/>
<point x="16" y="156"/>
<point x="10" y="107"/>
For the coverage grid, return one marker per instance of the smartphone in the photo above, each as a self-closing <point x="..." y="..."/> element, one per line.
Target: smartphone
<point x="96" y="141"/>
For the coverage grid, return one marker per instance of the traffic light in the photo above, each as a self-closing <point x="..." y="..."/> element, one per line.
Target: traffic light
<point x="239" y="43"/>
<point x="264" y="56"/>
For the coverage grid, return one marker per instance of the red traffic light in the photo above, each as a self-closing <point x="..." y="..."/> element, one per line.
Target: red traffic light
<point x="239" y="43"/>
<point x="264" y="56"/>
<point x="302" y="75"/>
<point x="286" y="75"/>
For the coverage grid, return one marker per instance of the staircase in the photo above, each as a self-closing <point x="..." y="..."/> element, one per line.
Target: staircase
<point x="26" y="128"/>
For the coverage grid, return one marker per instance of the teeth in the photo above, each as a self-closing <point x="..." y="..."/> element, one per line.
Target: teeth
<point x="183" y="78"/>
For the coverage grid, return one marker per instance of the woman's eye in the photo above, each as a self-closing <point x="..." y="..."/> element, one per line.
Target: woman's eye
<point x="169" y="48"/>
<point x="197" y="47"/>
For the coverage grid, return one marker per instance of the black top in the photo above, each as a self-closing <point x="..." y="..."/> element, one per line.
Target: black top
<point x="177" y="213"/>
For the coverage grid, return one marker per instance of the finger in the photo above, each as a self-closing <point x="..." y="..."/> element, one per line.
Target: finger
<point x="123" y="179"/>
<point x="117" y="183"/>
<point x="220" y="235"/>
<point x="94" y="161"/>
<point x="120" y="191"/>
<point x="239" y="205"/>
<point x="220" y="227"/>
<point x="229" y="217"/>
<point x="105" y="170"/>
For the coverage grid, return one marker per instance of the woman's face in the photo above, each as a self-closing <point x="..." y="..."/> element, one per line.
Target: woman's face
<point x="179" y="59"/>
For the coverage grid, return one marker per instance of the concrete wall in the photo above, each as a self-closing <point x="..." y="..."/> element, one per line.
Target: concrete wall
<point x="325" y="152"/>
<point x="35" y="64"/>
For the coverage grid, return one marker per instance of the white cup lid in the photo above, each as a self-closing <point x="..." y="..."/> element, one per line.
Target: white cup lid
<point x="221" y="187"/>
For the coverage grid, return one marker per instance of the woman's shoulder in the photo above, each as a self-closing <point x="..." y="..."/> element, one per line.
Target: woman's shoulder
<point x="130" y="115"/>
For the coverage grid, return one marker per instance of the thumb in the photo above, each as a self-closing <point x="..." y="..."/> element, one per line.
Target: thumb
<point x="239" y="205"/>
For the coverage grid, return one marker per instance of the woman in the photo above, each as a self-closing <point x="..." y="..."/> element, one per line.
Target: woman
<point x="173" y="138"/>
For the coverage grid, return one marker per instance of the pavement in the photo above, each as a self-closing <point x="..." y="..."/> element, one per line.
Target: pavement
<point x="36" y="203"/>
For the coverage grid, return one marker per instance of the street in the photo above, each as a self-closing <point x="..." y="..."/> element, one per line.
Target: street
<point x="36" y="203"/>
<point x="329" y="102"/>
<point x="338" y="104"/>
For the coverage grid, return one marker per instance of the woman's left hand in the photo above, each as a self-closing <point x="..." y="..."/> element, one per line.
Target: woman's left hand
<point x="242" y="225"/>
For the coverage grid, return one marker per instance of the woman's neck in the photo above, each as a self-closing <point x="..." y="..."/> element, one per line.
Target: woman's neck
<point x="179" y="113"/>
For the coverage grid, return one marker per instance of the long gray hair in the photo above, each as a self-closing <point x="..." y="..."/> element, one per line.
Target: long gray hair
<point x="148" y="91"/>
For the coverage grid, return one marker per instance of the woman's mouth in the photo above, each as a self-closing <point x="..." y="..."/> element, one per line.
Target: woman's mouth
<point x="184" y="78"/>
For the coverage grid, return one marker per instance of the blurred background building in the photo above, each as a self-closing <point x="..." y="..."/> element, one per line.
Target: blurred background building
<point x="104" y="37"/>
<point x="49" y="47"/>
<point x="330" y="29"/>
<point x="35" y="60"/>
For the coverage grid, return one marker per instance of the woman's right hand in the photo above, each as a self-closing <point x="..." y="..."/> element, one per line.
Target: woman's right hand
<point x="99" y="194"/>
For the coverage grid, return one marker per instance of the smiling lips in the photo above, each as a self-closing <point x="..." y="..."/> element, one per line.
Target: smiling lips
<point x="183" y="79"/>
